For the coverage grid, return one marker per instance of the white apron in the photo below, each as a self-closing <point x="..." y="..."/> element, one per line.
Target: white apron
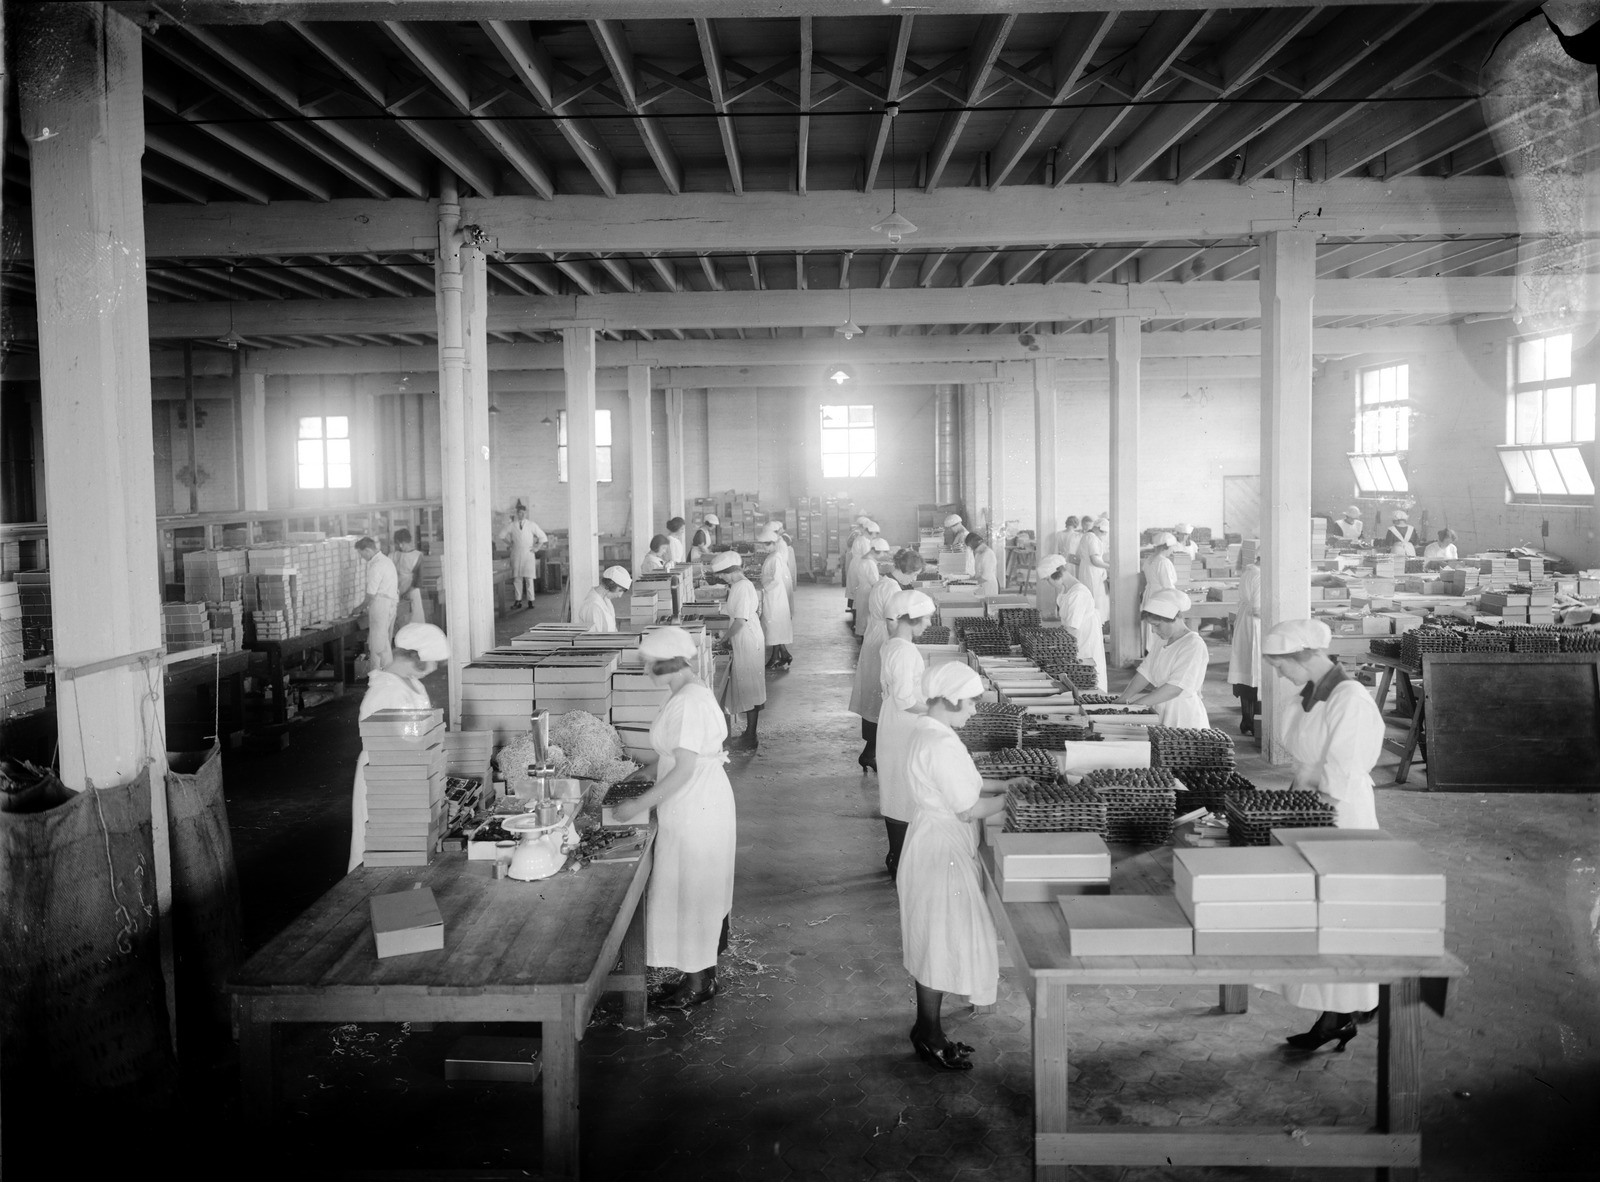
<point x="864" y="573"/>
<point x="675" y="553"/>
<point x="987" y="565"/>
<point x="747" y="679"/>
<point x="1244" y="662"/>
<point x="1092" y="576"/>
<point x="1334" y="746"/>
<point x="1182" y="663"/>
<point x="1402" y="540"/>
<point x="523" y="538"/>
<point x="385" y="691"/>
<point x="1159" y="575"/>
<point x="595" y="613"/>
<point x="865" y="693"/>
<point x="776" y="621"/>
<point x="900" y="682"/>
<point x="1075" y="606"/>
<point x="691" y="883"/>
<point x="948" y="940"/>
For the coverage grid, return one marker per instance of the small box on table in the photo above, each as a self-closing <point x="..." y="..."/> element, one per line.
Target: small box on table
<point x="1374" y="872"/>
<point x="1052" y="856"/>
<point x="1241" y="874"/>
<point x="1126" y="925"/>
<point x="406" y="921"/>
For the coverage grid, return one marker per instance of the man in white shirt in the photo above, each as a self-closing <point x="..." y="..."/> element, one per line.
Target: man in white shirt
<point x="1444" y="548"/>
<point x="383" y="595"/>
<point x="523" y="539"/>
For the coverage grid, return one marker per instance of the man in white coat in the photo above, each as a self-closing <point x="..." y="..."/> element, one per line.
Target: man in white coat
<point x="383" y="596"/>
<point x="523" y="538"/>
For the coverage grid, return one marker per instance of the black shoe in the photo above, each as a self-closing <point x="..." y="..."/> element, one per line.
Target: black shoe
<point x="948" y="1059"/>
<point x="689" y="993"/>
<point x="1323" y="1032"/>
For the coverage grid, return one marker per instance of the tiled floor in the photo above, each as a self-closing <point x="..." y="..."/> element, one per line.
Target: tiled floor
<point x="802" y="1069"/>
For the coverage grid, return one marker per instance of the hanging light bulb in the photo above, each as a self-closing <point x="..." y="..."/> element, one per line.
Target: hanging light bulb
<point x="896" y="226"/>
<point x="850" y="329"/>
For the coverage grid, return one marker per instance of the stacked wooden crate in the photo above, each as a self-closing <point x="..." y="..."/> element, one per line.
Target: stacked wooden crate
<point x="405" y="777"/>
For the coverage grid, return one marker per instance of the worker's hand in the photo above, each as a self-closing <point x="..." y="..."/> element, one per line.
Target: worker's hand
<point x="628" y="810"/>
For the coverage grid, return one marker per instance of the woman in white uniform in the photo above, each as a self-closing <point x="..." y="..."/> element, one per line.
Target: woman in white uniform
<point x="1075" y="609"/>
<point x="1171" y="676"/>
<point x="1244" y="661"/>
<point x="1093" y="565"/>
<point x="1444" y="548"/>
<point x="747" y="680"/>
<point x="864" y="573"/>
<point x="704" y="538"/>
<point x="955" y="538"/>
<point x="595" y="613"/>
<point x="786" y="548"/>
<point x="1350" y="526"/>
<point x="1401" y="538"/>
<point x="947" y="938"/>
<point x="865" y="692"/>
<point x="1159" y="575"/>
<point x="418" y="649"/>
<point x="776" y="623"/>
<point x="1334" y="735"/>
<point x="677" y="551"/>
<point x="985" y="565"/>
<point x="901" y="668"/>
<point x="523" y="538"/>
<point x="691" y="882"/>
<point x="658" y="556"/>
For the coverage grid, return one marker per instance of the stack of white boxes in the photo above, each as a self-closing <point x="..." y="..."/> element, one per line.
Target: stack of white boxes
<point x="1376" y="898"/>
<point x="184" y="626"/>
<point x="635" y="702"/>
<point x="405" y="776"/>
<point x="1126" y="925"/>
<point x="13" y="685"/>
<point x="1248" y="900"/>
<point x="214" y="576"/>
<point x="497" y="696"/>
<point x="1040" y="867"/>
<point x="563" y="682"/>
<point x="226" y="621"/>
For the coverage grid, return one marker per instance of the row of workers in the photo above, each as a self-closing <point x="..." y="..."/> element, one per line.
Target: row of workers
<point x="1399" y="539"/>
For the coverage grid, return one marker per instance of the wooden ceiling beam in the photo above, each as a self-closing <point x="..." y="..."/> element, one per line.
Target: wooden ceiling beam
<point x="802" y="145"/>
<point x="339" y="145"/>
<point x="618" y="56"/>
<point x="204" y="164"/>
<point x="1080" y="39"/>
<point x="828" y="308"/>
<point x="362" y="65"/>
<point x="986" y="46"/>
<point x="666" y="273"/>
<point x="833" y="220"/>
<point x="1381" y="131"/>
<point x="717" y="83"/>
<point x="1015" y="264"/>
<point x="534" y="67"/>
<point x="894" y="74"/>
<point x="311" y="178"/>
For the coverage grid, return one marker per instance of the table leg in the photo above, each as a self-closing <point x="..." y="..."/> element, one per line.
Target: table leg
<point x="1383" y="685"/>
<point x="334" y="651"/>
<point x="256" y="1079"/>
<point x="1233" y="999"/>
<point x="1409" y="751"/>
<point x="280" y="704"/>
<point x="1049" y="1071"/>
<point x="560" y="1082"/>
<point x="633" y="965"/>
<point x="1400" y="1064"/>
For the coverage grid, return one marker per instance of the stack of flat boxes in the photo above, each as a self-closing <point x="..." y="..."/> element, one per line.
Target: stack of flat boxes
<point x="1040" y="867"/>
<point x="838" y="516"/>
<point x="405" y="777"/>
<point x="644" y="603"/>
<point x="13" y="685"/>
<point x="635" y="703"/>
<point x="271" y="592"/>
<point x="214" y="576"/>
<point x="226" y="621"/>
<point x="1248" y="900"/>
<point x="579" y="680"/>
<point x="184" y="626"/>
<point x="38" y="630"/>
<point x="1376" y="898"/>
<point x="1126" y="925"/>
<point x="497" y="696"/>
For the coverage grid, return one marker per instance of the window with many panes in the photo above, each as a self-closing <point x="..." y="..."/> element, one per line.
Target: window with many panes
<point x="849" y="442"/>
<point x="602" y="446"/>
<point x="1383" y="427"/>
<point x="322" y="452"/>
<point x="1549" y="425"/>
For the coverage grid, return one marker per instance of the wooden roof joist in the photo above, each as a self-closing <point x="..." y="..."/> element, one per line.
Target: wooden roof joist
<point x="953" y="218"/>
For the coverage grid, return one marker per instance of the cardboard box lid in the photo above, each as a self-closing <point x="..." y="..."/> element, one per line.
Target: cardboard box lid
<point x="1123" y="912"/>
<point x="1052" y="844"/>
<point x="1296" y="836"/>
<point x="1385" y="859"/>
<point x="403" y="910"/>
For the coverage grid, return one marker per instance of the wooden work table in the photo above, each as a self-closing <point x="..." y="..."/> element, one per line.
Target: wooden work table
<point x="329" y="638"/>
<point x="513" y="952"/>
<point x="1036" y="935"/>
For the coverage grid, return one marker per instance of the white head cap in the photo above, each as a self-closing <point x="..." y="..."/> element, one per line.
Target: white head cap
<point x="1352" y="510"/>
<point x="1400" y="515"/>
<point x="1102" y="523"/>
<point x="880" y="545"/>
<point x="1168" y="604"/>
<point x="952" y="521"/>
<point x="1183" y="527"/>
<point x="663" y="644"/>
<point x="952" y="681"/>
<point x="618" y="575"/>
<point x="769" y="533"/>
<point x="1165" y="539"/>
<point x="726" y="560"/>
<point x="1050" y="564"/>
<point x="428" y="641"/>
<point x="908" y="603"/>
<point x="863" y="519"/>
<point x="1293" y="636"/>
<point x="712" y="519"/>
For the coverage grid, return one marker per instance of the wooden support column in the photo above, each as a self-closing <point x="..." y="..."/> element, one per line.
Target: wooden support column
<point x="676" y="495"/>
<point x="1048" y="510"/>
<point x="997" y="468"/>
<point x="452" y="440"/>
<point x="1123" y="538"/>
<point x="583" y="538"/>
<point x="475" y="435"/>
<point x="641" y="457"/>
<point x="252" y="388"/>
<point x="364" y="445"/>
<point x="1288" y="280"/>
<point x="975" y="402"/>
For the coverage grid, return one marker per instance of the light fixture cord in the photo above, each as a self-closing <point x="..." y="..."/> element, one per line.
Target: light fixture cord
<point x="894" y="183"/>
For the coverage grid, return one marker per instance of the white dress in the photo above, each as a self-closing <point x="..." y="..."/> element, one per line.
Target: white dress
<point x="385" y="691"/>
<point x="1334" y="746"/>
<point x="900" y="681"/>
<point x="863" y="574"/>
<point x="1075" y="606"/>
<point x="948" y="940"/>
<point x="675" y="551"/>
<point x="1244" y="663"/>
<point x="651" y="563"/>
<point x="1401" y="540"/>
<point x="691" y="883"/>
<point x="1092" y="576"/>
<point x="986" y="568"/>
<point x="1443" y="550"/>
<point x="1349" y="530"/>
<point x="1181" y="662"/>
<point x="522" y="538"/>
<point x="1159" y="575"/>
<point x="595" y="613"/>
<point x="747" y="679"/>
<point x="865" y="694"/>
<point x="776" y="622"/>
<point x="792" y="576"/>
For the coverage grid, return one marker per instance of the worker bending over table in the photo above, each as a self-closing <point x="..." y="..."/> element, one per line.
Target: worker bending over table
<point x="595" y="613"/>
<point x="1170" y="678"/>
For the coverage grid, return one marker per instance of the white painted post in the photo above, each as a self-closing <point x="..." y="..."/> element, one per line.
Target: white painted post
<point x="452" y="441"/>
<point x="978" y="397"/>
<point x="997" y="468"/>
<point x="1123" y="538"/>
<point x="364" y="445"/>
<point x="583" y="536"/>
<point x="1288" y="281"/>
<point x="676" y="495"/>
<point x="475" y="437"/>
<point x="641" y="457"/>
<point x="1048" y="510"/>
<point x="253" y="438"/>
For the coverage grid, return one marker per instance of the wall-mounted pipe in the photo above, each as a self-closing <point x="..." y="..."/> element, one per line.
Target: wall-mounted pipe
<point x="946" y="444"/>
